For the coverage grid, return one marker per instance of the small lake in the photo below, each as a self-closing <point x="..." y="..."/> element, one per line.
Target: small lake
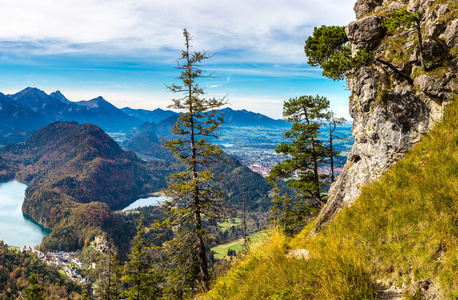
<point x="226" y="145"/>
<point x="16" y="228"/>
<point x="157" y="200"/>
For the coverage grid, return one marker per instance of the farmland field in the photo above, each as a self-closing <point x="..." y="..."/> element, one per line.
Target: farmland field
<point x="221" y="250"/>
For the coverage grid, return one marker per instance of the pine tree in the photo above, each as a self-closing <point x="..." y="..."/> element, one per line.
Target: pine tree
<point x="402" y="17"/>
<point x="305" y="152"/>
<point x="34" y="291"/>
<point x="332" y="125"/>
<point x="109" y="286"/>
<point x="287" y="214"/>
<point x="140" y="273"/>
<point x="329" y="48"/>
<point x="194" y="195"/>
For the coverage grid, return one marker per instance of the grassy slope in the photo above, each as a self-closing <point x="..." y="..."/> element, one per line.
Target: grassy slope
<point x="403" y="228"/>
<point x="237" y="245"/>
<point x="228" y="223"/>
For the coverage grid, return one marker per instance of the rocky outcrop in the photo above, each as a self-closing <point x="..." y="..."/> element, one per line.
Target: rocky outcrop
<point x="451" y="34"/>
<point x="364" y="33"/>
<point x="390" y="114"/>
<point x="363" y="7"/>
<point x="424" y="289"/>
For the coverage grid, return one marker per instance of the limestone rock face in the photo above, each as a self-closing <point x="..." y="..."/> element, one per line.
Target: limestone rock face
<point x="439" y="11"/>
<point x="389" y="114"/>
<point x="433" y="28"/>
<point x="395" y="5"/>
<point x="439" y="88"/>
<point x="364" y="33"/>
<point x="451" y="34"/>
<point x="363" y="7"/>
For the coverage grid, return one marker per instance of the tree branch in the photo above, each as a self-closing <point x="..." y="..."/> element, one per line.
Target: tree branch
<point x="394" y="69"/>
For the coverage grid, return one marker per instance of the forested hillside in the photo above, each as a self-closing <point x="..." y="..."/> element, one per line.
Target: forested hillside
<point x="237" y="179"/>
<point x="75" y="174"/>
<point x="17" y="267"/>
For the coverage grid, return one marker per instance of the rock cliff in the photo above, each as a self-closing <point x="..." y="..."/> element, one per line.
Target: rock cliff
<point x="391" y="114"/>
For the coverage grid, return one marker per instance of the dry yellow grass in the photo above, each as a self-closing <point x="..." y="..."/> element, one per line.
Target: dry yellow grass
<point x="402" y="228"/>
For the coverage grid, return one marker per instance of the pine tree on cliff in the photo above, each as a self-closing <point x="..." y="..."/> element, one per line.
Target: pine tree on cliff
<point x="401" y="18"/>
<point x="193" y="194"/>
<point x="329" y="48"/>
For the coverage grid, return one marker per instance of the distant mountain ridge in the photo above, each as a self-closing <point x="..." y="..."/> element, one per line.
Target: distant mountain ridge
<point x="48" y="107"/>
<point x="153" y="116"/>
<point x="31" y="109"/>
<point x="58" y="95"/>
<point x="17" y="121"/>
<point x="242" y="118"/>
<point x="36" y="109"/>
<point x="104" y="114"/>
<point x="232" y="118"/>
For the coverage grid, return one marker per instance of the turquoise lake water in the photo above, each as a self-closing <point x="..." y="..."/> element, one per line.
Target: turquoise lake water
<point x="16" y="228"/>
<point x="146" y="202"/>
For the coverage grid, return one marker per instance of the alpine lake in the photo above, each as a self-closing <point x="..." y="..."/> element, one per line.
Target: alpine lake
<point x="18" y="229"/>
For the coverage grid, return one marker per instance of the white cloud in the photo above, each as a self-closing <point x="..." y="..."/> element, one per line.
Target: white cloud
<point x="303" y="71"/>
<point x="261" y="30"/>
<point x="221" y="84"/>
<point x="252" y="39"/>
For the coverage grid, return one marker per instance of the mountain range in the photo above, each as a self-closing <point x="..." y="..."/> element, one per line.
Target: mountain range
<point x="17" y="121"/>
<point x="25" y="112"/>
<point x="45" y="109"/>
<point x="232" y="118"/>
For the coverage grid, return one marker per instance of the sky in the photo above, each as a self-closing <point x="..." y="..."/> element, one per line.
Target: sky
<point x="126" y="50"/>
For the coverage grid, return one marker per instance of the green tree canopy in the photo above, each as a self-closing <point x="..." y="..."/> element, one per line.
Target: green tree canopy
<point x="34" y="291"/>
<point x="305" y="151"/>
<point x="109" y="285"/>
<point x="140" y="273"/>
<point x="403" y="18"/>
<point x="330" y="49"/>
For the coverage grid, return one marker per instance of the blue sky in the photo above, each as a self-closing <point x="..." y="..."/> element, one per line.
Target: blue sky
<point x="126" y="50"/>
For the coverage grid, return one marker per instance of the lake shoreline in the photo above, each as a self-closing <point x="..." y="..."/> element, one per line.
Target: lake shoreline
<point x="147" y="201"/>
<point x="16" y="227"/>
